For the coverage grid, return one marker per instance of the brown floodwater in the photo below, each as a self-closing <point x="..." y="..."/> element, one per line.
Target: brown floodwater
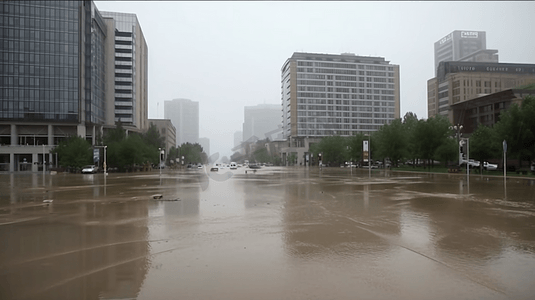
<point x="279" y="233"/>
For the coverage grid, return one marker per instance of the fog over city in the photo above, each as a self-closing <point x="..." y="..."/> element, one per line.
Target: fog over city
<point x="227" y="55"/>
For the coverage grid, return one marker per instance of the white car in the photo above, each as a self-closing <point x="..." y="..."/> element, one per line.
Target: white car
<point x="490" y="167"/>
<point x="91" y="169"/>
<point x="472" y="163"/>
<point x="233" y="166"/>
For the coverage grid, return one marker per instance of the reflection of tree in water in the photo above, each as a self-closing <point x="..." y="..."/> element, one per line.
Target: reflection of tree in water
<point x="88" y="251"/>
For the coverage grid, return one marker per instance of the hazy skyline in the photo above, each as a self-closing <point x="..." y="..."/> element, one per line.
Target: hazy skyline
<point x="227" y="55"/>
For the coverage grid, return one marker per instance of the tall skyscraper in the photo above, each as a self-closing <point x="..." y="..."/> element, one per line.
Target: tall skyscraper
<point x="260" y="120"/>
<point x="238" y="138"/>
<point x="462" y="45"/>
<point x="184" y="114"/>
<point x="328" y="94"/>
<point x="57" y="69"/>
<point x="128" y="57"/>
<point x="205" y="144"/>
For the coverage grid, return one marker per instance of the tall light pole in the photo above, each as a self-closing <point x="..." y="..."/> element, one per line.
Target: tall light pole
<point x="44" y="162"/>
<point x="458" y="134"/>
<point x="160" y="159"/>
<point x="105" y="171"/>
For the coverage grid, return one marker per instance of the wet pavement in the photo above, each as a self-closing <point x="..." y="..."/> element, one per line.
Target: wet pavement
<point x="279" y="233"/>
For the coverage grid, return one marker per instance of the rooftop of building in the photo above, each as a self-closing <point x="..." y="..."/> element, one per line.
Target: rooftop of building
<point x="343" y="57"/>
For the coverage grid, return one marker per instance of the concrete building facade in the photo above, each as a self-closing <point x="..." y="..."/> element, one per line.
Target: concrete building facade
<point x="457" y="82"/>
<point x="328" y="94"/>
<point x="486" y="109"/>
<point x="184" y="113"/>
<point x="167" y="131"/>
<point x="128" y="69"/>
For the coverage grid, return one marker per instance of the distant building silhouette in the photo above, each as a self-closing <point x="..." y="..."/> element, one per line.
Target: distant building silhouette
<point x="261" y="119"/>
<point x="184" y="114"/>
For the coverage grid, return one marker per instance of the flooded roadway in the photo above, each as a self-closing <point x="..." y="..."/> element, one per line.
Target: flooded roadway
<point x="280" y="233"/>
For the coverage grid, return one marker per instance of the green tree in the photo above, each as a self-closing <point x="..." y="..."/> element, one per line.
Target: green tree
<point x="74" y="152"/>
<point x="391" y="141"/>
<point x="448" y="151"/>
<point x="517" y="127"/>
<point x="152" y="137"/>
<point x="410" y="121"/>
<point x="334" y="149"/>
<point x="172" y="155"/>
<point x="292" y="159"/>
<point x="355" y="147"/>
<point x="429" y="135"/>
<point x="116" y="134"/>
<point x="134" y="151"/>
<point x="483" y="144"/>
<point x="192" y="153"/>
<point x="261" y="155"/>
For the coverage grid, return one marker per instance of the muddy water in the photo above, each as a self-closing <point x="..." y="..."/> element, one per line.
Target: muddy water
<point x="279" y="233"/>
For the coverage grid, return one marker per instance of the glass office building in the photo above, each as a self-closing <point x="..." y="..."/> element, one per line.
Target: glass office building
<point x="40" y="60"/>
<point x="54" y="79"/>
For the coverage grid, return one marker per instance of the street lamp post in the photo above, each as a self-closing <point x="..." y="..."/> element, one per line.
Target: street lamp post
<point x="105" y="170"/>
<point x="458" y="135"/>
<point x="160" y="160"/>
<point x="104" y="164"/>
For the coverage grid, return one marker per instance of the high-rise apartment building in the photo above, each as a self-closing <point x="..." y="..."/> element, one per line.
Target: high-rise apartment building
<point x="327" y="94"/>
<point x="57" y="74"/>
<point x="184" y="114"/>
<point x="463" y="45"/>
<point x="128" y="69"/>
<point x="261" y="120"/>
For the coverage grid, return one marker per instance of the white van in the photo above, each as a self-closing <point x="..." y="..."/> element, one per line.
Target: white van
<point x="233" y="166"/>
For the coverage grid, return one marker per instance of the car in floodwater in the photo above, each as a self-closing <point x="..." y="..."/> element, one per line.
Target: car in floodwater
<point x="89" y="169"/>
<point x="233" y="166"/>
<point x="490" y="167"/>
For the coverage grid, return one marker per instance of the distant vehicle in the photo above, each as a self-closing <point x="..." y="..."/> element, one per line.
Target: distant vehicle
<point x="214" y="169"/>
<point x="89" y="169"/>
<point x="254" y="166"/>
<point x="472" y="163"/>
<point x="490" y="167"/>
<point x="199" y="166"/>
<point x="233" y="166"/>
<point x="533" y="167"/>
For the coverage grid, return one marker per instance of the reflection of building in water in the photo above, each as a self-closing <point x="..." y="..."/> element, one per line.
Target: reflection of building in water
<point x="99" y="252"/>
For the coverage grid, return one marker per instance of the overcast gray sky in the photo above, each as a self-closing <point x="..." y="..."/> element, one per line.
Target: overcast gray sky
<point x="227" y="55"/>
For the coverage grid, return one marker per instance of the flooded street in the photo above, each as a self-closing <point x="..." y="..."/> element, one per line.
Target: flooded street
<point x="279" y="233"/>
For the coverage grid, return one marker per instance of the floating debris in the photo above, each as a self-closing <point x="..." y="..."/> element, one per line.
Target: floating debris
<point x="159" y="197"/>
